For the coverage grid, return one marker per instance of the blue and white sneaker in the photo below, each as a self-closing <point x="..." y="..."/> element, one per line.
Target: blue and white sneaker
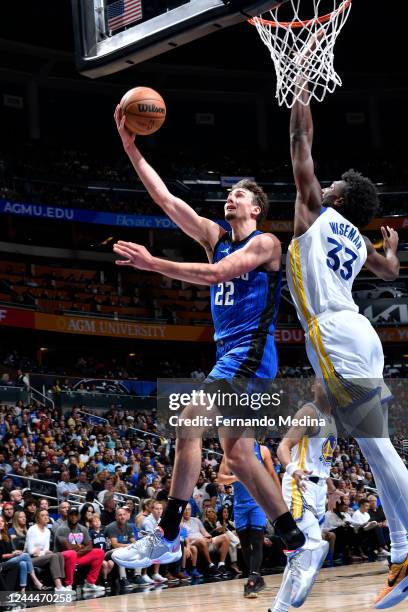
<point x="304" y="566"/>
<point x="150" y="549"/>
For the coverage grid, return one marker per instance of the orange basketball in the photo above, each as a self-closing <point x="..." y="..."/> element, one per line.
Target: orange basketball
<point x="144" y="109"/>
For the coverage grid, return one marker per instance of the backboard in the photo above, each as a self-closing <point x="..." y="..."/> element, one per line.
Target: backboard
<point x="111" y="35"/>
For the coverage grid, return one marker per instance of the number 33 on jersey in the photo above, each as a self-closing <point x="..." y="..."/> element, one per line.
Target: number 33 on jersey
<point x="322" y="265"/>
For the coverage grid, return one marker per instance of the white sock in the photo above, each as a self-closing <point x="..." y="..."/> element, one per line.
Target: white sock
<point x="391" y="478"/>
<point x="122" y="572"/>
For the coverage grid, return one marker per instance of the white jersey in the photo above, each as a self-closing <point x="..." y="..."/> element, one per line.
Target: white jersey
<point x="315" y="453"/>
<point x="322" y="265"/>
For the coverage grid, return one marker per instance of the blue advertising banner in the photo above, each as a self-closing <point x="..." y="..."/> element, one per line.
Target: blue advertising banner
<point x="25" y="209"/>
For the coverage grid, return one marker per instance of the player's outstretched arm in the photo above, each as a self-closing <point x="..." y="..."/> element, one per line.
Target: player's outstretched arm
<point x="309" y="193"/>
<point x="206" y="232"/>
<point x="263" y="250"/>
<point x="385" y="266"/>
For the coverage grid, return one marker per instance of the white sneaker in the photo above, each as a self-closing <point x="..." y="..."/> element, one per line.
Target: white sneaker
<point x="60" y="589"/>
<point x="148" y="550"/>
<point x="95" y="588"/>
<point x="147" y="580"/>
<point x="159" y="578"/>
<point x="304" y="566"/>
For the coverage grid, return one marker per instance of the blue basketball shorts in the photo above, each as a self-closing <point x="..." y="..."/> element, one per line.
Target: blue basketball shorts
<point x="252" y="356"/>
<point x="249" y="516"/>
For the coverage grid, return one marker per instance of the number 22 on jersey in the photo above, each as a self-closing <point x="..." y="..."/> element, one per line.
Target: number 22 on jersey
<point x="224" y="295"/>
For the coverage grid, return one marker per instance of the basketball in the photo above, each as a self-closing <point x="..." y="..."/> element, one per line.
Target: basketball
<point x="144" y="109"/>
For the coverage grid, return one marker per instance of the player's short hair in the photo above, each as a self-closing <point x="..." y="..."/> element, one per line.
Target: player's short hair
<point x="361" y="202"/>
<point x="260" y="197"/>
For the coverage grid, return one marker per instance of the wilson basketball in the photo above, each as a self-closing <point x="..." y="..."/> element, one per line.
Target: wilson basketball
<point x="144" y="109"/>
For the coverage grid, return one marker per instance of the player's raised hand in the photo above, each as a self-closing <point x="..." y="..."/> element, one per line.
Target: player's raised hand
<point x="134" y="255"/>
<point x="390" y="238"/>
<point x="127" y="138"/>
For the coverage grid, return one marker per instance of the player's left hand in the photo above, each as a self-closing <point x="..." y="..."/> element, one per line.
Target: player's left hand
<point x="301" y="477"/>
<point x="135" y="255"/>
<point x="390" y="238"/>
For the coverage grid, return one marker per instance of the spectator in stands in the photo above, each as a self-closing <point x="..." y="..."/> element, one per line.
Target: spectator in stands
<point x="227" y="526"/>
<point x="163" y="494"/>
<point x="4" y="466"/>
<point x="131" y="507"/>
<point x="146" y="506"/>
<point x="7" y="513"/>
<point x="121" y="535"/>
<point x="98" y="483"/>
<point x="200" y="538"/>
<point x="30" y="509"/>
<point x="108" y="514"/>
<point x="38" y="546"/>
<point x="16" y="497"/>
<point x="154" y="488"/>
<point x="86" y="513"/>
<point x="83" y="484"/>
<point x="339" y="521"/>
<point x="44" y="505"/>
<point x="75" y="544"/>
<point x="382" y="532"/>
<point x="65" y="486"/>
<point x="100" y="540"/>
<point x="63" y="509"/>
<point x="8" y="486"/>
<point x="149" y="524"/>
<point x="108" y="488"/>
<point x="18" y="532"/>
<point x="9" y="556"/>
<point x="220" y="540"/>
<point x="140" y="490"/>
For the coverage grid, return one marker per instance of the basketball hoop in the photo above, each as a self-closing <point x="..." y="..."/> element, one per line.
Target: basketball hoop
<point x="302" y="48"/>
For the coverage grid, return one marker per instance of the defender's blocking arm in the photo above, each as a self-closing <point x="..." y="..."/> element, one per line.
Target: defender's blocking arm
<point x="309" y="193"/>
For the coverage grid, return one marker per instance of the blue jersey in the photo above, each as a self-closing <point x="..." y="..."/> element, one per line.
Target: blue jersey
<point x="247" y="304"/>
<point x="241" y="496"/>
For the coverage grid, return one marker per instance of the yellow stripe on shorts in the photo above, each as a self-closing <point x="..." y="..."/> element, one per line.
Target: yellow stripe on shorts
<point x="326" y="365"/>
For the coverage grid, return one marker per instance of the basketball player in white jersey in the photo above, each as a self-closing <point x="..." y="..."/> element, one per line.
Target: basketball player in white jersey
<point x="325" y="255"/>
<point x="306" y="453"/>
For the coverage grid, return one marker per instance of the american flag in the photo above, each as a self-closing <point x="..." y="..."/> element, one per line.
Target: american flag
<point x="123" y="12"/>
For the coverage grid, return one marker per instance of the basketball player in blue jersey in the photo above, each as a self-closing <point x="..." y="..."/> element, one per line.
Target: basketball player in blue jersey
<point x="244" y="275"/>
<point x="324" y="257"/>
<point x="250" y="520"/>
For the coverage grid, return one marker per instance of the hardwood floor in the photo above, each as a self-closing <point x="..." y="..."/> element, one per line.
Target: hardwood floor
<point x="342" y="589"/>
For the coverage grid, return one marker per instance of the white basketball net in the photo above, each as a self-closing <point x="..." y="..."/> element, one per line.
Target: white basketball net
<point x="302" y="50"/>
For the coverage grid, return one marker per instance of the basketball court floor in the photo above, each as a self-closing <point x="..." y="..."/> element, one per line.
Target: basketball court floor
<point x="343" y="589"/>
